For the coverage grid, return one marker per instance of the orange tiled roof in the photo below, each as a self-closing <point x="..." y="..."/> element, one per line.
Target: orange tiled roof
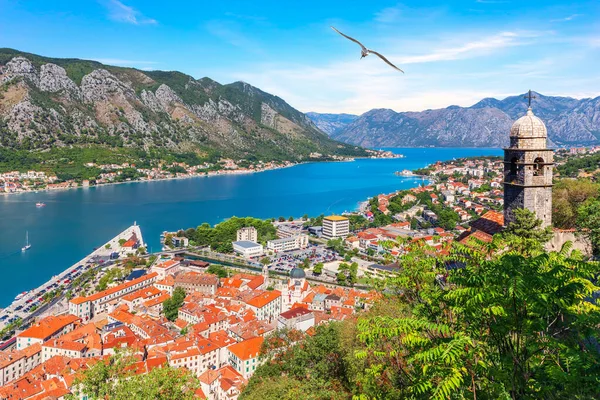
<point x="491" y="222"/>
<point x="247" y="349"/>
<point x="264" y="298"/>
<point x="48" y="326"/>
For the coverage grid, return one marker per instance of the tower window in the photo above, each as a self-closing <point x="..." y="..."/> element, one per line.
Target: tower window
<point x="538" y="167"/>
<point x="513" y="168"/>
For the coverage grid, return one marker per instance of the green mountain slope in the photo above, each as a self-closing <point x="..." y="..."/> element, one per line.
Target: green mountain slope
<point x="52" y="102"/>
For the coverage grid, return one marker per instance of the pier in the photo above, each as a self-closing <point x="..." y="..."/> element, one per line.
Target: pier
<point x="63" y="281"/>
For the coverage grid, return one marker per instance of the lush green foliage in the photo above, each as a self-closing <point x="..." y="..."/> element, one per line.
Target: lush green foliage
<point x="589" y="219"/>
<point x="220" y="237"/>
<point x="70" y="163"/>
<point x="116" y="379"/>
<point x="568" y="195"/>
<point x="313" y="369"/>
<point x="496" y="320"/>
<point x="525" y="233"/>
<point x="172" y="305"/>
<point x="575" y="165"/>
<point x="110" y="276"/>
<point x="218" y="270"/>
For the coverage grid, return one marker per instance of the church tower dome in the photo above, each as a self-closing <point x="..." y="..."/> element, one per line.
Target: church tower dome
<point x="529" y="126"/>
<point x="528" y="164"/>
<point x="529" y="131"/>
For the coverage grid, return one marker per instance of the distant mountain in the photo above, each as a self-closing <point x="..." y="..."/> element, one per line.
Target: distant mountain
<point x="331" y="124"/>
<point x="485" y="124"/>
<point x="49" y="102"/>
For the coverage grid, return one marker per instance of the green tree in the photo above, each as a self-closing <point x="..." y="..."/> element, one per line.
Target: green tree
<point x="122" y="242"/>
<point x="290" y="219"/>
<point x="414" y="224"/>
<point x="507" y="324"/>
<point x="589" y="219"/>
<point x="568" y="195"/>
<point x="305" y="263"/>
<point x="526" y="230"/>
<point x="218" y="270"/>
<point x="315" y="369"/>
<point x="265" y="261"/>
<point x="318" y="268"/>
<point x="281" y="219"/>
<point x="341" y="278"/>
<point x="172" y="305"/>
<point x="447" y="218"/>
<point x="116" y="378"/>
<point x="336" y="245"/>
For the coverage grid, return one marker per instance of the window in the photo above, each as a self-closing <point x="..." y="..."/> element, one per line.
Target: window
<point x="513" y="168"/>
<point x="538" y="167"/>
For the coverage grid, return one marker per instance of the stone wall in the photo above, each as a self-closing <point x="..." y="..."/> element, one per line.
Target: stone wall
<point x="579" y="241"/>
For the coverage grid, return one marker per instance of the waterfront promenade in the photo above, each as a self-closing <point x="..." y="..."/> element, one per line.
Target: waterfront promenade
<point x="62" y="282"/>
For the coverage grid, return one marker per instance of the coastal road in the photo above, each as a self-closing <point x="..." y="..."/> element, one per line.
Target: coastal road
<point x="62" y="281"/>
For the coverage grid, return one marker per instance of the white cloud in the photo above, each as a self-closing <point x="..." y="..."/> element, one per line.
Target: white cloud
<point x="566" y="19"/>
<point x="355" y="86"/>
<point x="469" y="49"/>
<point x="120" y="12"/>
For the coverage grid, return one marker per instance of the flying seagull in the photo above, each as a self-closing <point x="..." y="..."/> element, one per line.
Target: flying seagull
<point x="365" y="52"/>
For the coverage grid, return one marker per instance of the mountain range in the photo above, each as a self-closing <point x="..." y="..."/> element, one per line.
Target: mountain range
<point x="485" y="124"/>
<point x="53" y="102"/>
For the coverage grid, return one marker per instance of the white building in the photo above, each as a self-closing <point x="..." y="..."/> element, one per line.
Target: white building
<point x="86" y="307"/>
<point x="288" y="243"/>
<point x="297" y="318"/>
<point x="335" y="226"/>
<point x="247" y="234"/>
<point x="248" y="249"/>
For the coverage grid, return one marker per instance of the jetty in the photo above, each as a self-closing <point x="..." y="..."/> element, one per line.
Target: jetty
<point x="109" y="250"/>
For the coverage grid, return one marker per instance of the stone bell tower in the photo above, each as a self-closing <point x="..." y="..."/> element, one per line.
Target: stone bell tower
<point x="528" y="167"/>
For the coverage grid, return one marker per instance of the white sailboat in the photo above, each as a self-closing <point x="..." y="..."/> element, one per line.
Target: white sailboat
<point x="27" y="245"/>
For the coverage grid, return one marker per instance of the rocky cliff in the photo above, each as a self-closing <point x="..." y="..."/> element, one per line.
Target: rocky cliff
<point x="331" y="124"/>
<point x="485" y="124"/>
<point x="48" y="102"/>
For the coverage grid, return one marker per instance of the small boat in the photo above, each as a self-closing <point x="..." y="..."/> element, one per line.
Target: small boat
<point x="27" y="245"/>
<point x="39" y="205"/>
<point x="20" y="295"/>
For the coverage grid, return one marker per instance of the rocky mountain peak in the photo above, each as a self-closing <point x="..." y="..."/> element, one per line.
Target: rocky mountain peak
<point x="101" y="85"/>
<point x="61" y="102"/>
<point x="22" y="67"/>
<point x="486" y="123"/>
<point x="53" y="78"/>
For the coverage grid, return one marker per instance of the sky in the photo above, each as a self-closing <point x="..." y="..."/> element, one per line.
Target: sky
<point x="452" y="52"/>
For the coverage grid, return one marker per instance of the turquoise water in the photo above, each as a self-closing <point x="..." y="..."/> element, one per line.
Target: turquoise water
<point x="75" y="221"/>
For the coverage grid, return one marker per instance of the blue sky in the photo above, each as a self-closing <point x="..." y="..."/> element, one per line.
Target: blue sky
<point x="453" y="52"/>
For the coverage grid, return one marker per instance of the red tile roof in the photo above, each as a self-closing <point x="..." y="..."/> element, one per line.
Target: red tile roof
<point x="247" y="349"/>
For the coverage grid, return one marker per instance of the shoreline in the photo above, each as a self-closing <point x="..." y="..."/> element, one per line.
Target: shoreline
<point x="236" y="172"/>
<point x="57" y="278"/>
<point x="208" y="175"/>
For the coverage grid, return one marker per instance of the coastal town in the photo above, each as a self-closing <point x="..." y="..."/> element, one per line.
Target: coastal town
<point x="210" y="299"/>
<point x="314" y="271"/>
<point x="216" y="331"/>
<point x="102" y="174"/>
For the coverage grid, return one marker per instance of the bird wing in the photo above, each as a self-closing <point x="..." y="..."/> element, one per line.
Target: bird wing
<point x="348" y="37"/>
<point x="385" y="59"/>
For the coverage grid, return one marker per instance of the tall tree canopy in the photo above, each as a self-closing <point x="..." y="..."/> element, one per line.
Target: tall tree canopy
<point x="116" y="379"/>
<point x="500" y="320"/>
